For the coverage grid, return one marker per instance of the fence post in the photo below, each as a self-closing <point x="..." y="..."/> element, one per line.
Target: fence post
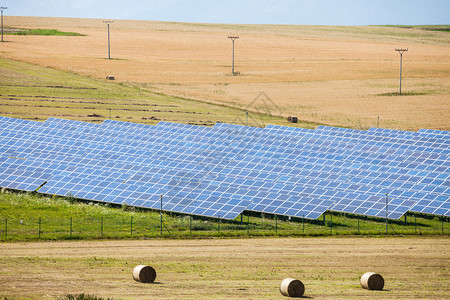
<point x="303" y="223"/>
<point x="6" y="229"/>
<point x="276" y="224"/>
<point x="131" y="226"/>
<point x="39" y="233"/>
<point x="190" y="224"/>
<point x="218" y="225"/>
<point x="358" y="224"/>
<point x="415" y="224"/>
<point x="101" y="227"/>
<point x="442" y="223"/>
<point x="70" y="226"/>
<point x="248" y="224"/>
<point x="331" y="223"/>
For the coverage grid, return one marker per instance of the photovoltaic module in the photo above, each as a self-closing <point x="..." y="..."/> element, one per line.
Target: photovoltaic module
<point x="226" y="169"/>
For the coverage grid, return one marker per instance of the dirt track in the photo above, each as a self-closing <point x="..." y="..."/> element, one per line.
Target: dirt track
<point x="227" y="268"/>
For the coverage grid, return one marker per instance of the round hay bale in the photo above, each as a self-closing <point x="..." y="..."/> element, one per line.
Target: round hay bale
<point x="372" y="281"/>
<point x="292" y="288"/>
<point x="292" y="119"/>
<point x="144" y="274"/>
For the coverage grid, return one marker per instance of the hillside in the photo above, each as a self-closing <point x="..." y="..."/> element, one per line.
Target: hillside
<point x="341" y="76"/>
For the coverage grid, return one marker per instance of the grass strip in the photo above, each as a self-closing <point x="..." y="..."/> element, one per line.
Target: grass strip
<point x="32" y="216"/>
<point x="38" y="31"/>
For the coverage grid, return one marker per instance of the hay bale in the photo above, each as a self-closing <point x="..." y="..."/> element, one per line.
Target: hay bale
<point x="144" y="274"/>
<point x="292" y="288"/>
<point x="372" y="281"/>
<point x="292" y="119"/>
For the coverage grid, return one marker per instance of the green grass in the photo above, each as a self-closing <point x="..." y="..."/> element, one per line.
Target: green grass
<point x="405" y="94"/>
<point x="37" y="31"/>
<point x="31" y="216"/>
<point x="444" y="28"/>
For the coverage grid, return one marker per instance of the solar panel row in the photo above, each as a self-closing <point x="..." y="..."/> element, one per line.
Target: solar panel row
<point x="223" y="170"/>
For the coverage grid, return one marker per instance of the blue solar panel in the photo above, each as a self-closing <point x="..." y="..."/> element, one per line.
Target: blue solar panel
<point x="296" y="172"/>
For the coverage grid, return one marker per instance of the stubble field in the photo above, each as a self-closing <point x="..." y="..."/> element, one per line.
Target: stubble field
<point x="330" y="268"/>
<point x="341" y="76"/>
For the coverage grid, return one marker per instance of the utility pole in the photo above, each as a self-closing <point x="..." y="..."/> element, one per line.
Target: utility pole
<point x="401" y="55"/>
<point x="233" y="38"/>
<point x="2" y="8"/>
<point x="109" y="51"/>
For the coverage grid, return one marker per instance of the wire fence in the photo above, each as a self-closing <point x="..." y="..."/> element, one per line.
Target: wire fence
<point x="137" y="227"/>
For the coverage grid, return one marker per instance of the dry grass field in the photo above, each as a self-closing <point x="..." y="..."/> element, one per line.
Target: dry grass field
<point x="330" y="268"/>
<point x="342" y="76"/>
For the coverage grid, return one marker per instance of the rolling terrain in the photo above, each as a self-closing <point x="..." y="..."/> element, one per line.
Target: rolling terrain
<point x="339" y="76"/>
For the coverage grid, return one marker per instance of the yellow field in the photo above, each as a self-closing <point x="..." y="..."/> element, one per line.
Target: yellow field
<point x="332" y="75"/>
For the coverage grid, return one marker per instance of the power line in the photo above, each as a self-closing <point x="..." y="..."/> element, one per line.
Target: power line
<point x="109" y="50"/>
<point x="233" y="38"/>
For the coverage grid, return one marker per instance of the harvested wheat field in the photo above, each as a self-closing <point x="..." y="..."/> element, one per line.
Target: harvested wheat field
<point x="330" y="268"/>
<point x="334" y="75"/>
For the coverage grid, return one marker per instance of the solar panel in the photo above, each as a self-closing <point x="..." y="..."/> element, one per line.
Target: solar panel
<point x="222" y="170"/>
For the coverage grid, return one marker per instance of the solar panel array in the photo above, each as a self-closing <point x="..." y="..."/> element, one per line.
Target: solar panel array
<point x="221" y="171"/>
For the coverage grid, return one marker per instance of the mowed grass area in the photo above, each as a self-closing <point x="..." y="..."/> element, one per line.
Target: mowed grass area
<point x="333" y="75"/>
<point x="32" y="92"/>
<point x="31" y="217"/>
<point x="329" y="267"/>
